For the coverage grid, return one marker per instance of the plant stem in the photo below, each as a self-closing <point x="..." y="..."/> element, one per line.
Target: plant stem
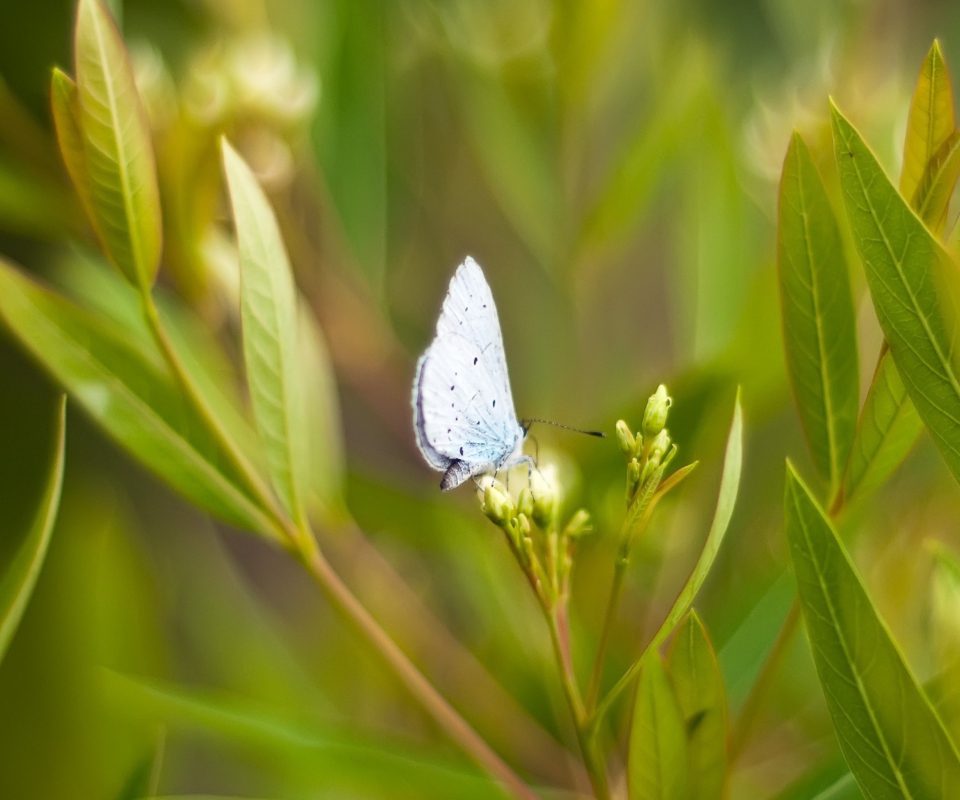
<point x="613" y="602"/>
<point x="560" y="637"/>
<point x="751" y="707"/>
<point x="435" y="705"/>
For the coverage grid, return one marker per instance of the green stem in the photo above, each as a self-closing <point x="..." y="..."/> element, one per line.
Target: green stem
<point x="613" y="602"/>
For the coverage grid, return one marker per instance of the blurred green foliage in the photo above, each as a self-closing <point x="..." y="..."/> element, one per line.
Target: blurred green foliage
<point x="613" y="164"/>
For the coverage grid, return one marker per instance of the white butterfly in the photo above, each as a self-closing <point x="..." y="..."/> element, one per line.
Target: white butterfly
<point x="463" y="410"/>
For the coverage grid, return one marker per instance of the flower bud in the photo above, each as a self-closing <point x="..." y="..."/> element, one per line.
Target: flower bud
<point x="655" y="415"/>
<point x="543" y="500"/>
<point x="523" y="523"/>
<point x="626" y="439"/>
<point x="659" y="447"/>
<point x="496" y="505"/>
<point x="579" y="525"/>
<point x="525" y="503"/>
<point x="633" y="478"/>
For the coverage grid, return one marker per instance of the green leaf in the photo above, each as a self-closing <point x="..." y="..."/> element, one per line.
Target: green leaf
<point x="819" y="325"/>
<point x="914" y="285"/>
<point x="17" y="583"/>
<point x="930" y="121"/>
<point x="268" y="310"/>
<point x="729" y="486"/>
<point x="118" y="149"/>
<point x="698" y="686"/>
<point x="945" y="605"/>
<point x="886" y="431"/>
<point x="658" y="766"/>
<point x="932" y="197"/>
<point x="890" y="735"/>
<point x="130" y="395"/>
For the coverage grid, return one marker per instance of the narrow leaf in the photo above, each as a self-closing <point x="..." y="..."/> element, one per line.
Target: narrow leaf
<point x="657" y="767"/>
<point x="914" y="285"/>
<point x="17" y="584"/>
<point x="118" y="148"/>
<point x="890" y="735"/>
<point x="945" y="606"/>
<point x="930" y="121"/>
<point x="887" y="430"/>
<point x="698" y="686"/>
<point x="932" y="197"/>
<point x="729" y="486"/>
<point x="132" y="397"/>
<point x="819" y="325"/>
<point x="268" y="309"/>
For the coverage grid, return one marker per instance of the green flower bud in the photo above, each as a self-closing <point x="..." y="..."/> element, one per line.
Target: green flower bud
<point x="523" y="523"/>
<point x="659" y="447"/>
<point x="579" y="525"/>
<point x="626" y="439"/>
<point x="633" y="478"/>
<point x="497" y="506"/>
<point x="655" y="415"/>
<point x="648" y="469"/>
<point x="525" y="503"/>
<point x="543" y="500"/>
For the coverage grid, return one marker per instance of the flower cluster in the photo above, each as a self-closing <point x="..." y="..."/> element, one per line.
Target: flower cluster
<point x="649" y="451"/>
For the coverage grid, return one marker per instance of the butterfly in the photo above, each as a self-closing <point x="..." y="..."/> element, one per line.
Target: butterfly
<point x="463" y="412"/>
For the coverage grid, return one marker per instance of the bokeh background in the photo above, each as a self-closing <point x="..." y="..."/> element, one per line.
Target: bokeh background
<point x="613" y="165"/>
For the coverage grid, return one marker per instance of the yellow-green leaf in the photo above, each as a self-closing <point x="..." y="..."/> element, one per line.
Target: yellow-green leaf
<point x="819" y="325"/>
<point x="118" y="149"/>
<point x="698" y="685"/>
<point x="17" y="583"/>
<point x="130" y="395"/>
<point x="658" y="766"/>
<point x="886" y="431"/>
<point x="930" y="122"/>
<point x="891" y="737"/>
<point x="932" y="197"/>
<point x="268" y="311"/>
<point x="914" y="284"/>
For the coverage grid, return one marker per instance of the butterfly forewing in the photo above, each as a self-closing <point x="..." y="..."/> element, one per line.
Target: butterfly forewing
<point x="463" y="405"/>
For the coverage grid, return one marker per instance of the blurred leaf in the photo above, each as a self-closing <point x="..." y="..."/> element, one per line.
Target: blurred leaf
<point x="33" y="205"/>
<point x="24" y="136"/>
<point x="729" y="485"/>
<point x="889" y="733"/>
<point x="698" y="687"/>
<point x="914" y="284"/>
<point x="658" y="767"/>
<point x="18" y="581"/>
<point x="324" y="450"/>
<point x="834" y="782"/>
<point x="930" y="121"/>
<point x="119" y="151"/>
<point x="327" y="755"/>
<point x="945" y="597"/>
<point x="819" y="325"/>
<point x="932" y="198"/>
<point x="128" y="394"/>
<point x="268" y="310"/>
<point x="886" y="431"/>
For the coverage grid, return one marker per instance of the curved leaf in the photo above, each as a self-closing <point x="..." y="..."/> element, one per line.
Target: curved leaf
<point x="889" y="733"/>
<point x="132" y="397"/>
<point x="657" y="767"/>
<point x="268" y="310"/>
<point x="930" y="121"/>
<point x="698" y="686"/>
<point x="887" y="430"/>
<point x="932" y="198"/>
<point x="118" y="149"/>
<point x="819" y="325"/>
<point x="914" y="284"/>
<point x="17" y="583"/>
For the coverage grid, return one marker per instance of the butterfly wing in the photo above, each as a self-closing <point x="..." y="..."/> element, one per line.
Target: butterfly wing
<point x="463" y="407"/>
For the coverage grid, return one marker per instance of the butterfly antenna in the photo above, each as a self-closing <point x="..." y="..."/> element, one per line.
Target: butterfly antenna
<point x="526" y="423"/>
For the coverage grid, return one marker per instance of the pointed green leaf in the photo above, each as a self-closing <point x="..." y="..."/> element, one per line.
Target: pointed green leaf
<point x="819" y="325"/>
<point x="729" y="486"/>
<point x="268" y="310"/>
<point x="698" y="686"/>
<point x="932" y="197"/>
<point x="17" y="583"/>
<point x="658" y="766"/>
<point x="890" y="735"/>
<point x="118" y="148"/>
<point x="887" y="430"/>
<point x="930" y="121"/>
<point x="65" y="103"/>
<point x="132" y="397"/>
<point x="914" y="284"/>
